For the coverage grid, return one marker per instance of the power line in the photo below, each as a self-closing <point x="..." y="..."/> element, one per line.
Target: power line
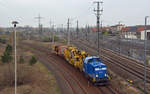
<point x="68" y="31"/>
<point x="53" y="32"/>
<point x="77" y="30"/>
<point x="39" y="22"/>
<point x="98" y="11"/>
<point x="119" y="23"/>
<point x="50" y="24"/>
<point x="145" y="53"/>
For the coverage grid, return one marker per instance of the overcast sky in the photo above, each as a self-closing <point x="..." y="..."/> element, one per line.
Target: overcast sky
<point x="129" y="12"/>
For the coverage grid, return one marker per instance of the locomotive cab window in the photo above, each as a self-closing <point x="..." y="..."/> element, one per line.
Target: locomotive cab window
<point x="97" y="60"/>
<point x="94" y="60"/>
<point x="90" y="61"/>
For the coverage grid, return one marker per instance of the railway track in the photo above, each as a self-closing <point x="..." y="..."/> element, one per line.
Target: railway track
<point x="129" y="66"/>
<point x="138" y="72"/>
<point x="109" y="90"/>
<point x="139" y="64"/>
<point x="71" y="79"/>
<point x="68" y="78"/>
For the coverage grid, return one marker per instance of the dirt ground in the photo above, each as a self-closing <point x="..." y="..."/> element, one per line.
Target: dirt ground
<point x="117" y="82"/>
<point x="123" y="85"/>
<point x="35" y="79"/>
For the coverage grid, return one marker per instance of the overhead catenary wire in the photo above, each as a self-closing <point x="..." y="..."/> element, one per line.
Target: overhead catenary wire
<point x="98" y="11"/>
<point x="39" y="22"/>
<point x="145" y="53"/>
<point x="68" y="31"/>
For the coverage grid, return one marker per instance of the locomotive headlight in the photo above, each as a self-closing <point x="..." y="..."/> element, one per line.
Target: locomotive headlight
<point x="96" y="75"/>
<point x="104" y="68"/>
<point x="97" y="69"/>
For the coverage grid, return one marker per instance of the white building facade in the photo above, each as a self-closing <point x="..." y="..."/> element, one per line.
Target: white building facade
<point x="143" y="34"/>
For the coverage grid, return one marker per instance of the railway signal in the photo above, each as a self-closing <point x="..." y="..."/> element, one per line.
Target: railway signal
<point x="15" y="24"/>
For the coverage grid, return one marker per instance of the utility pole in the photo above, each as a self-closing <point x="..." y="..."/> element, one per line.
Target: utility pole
<point x="39" y="22"/>
<point x="145" y="48"/>
<point x="50" y="27"/>
<point x="88" y="31"/>
<point x="102" y="34"/>
<point x="50" y="24"/>
<point x="77" y="28"/>
<point x="68" y="31"/>
<point x="15" y="24"/>
<point x="119" y="23"/>
<point x="62" y="27"/>
<point x="53" y="40"/>
<point x="98" y="14"/>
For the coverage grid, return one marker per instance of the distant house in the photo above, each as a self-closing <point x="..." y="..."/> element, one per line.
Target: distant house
<point x="143" y="35"/>
<point x="94" y="29"/>
<point x="135" y="32"/>
<point x="129" y="32"/>
<point x="107" y="29"/>
<point x="117" y="28"/>
<point x="141" y="30"/>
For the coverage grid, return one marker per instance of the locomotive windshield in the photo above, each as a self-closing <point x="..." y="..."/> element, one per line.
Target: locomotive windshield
<point x="94" y="60"/>
<point x="97" y="59"/>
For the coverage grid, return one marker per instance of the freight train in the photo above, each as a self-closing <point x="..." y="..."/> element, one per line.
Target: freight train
<point x="91" y="66"/>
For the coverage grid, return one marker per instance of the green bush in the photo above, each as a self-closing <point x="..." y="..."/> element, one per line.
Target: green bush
<point x="56" y="38"/>
<point x="105" y="33"/>
<point x="46" y="39"/>
<point x="6" y="57"/>
<point x="8" y="49"/>
<point x="32" y="61"/>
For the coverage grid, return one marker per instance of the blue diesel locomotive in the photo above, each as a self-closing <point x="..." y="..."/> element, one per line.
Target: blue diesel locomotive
<point x="95" y="70"/>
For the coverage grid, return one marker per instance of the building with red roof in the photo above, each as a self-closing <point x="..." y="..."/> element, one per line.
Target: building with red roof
<point x="94" y="29"/>
<point x="135" y="32"/>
